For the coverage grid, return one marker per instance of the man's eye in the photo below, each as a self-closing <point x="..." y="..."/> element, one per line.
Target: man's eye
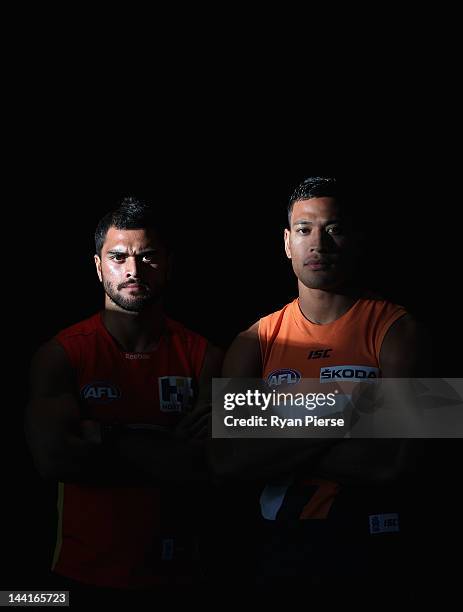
<point x="118" y="257"/>
<point x="148" y="258"/>
<point x="334" y="229"/>
<point x="303" y="230"/>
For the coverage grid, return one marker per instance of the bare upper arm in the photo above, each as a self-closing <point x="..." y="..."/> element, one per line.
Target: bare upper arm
<point x="51" y="373"/>
<point x="405" y="351"/>
<point x="211" y="369"/>
<point x="53" y="409"/>
<point x="243" y="359"/>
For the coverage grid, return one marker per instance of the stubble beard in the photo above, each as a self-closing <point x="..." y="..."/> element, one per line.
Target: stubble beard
<point x="133" y="304"/>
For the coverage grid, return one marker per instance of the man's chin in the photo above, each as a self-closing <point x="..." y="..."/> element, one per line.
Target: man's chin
<point x="322" y="282"/>
<point x="135" y="305"/>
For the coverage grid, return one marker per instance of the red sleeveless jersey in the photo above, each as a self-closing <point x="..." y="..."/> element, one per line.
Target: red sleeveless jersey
<point x="125" y="536"/>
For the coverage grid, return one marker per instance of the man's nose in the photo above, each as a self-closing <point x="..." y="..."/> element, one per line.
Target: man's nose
<point x="131" y="267"/>
<point x="317" y="240"/>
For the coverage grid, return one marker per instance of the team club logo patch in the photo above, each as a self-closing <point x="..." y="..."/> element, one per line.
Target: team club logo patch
<point x="175" y="393"/>
<point x="100" y="390"/>
<point x="349" y="372"/>
<point x="283" y="377"/>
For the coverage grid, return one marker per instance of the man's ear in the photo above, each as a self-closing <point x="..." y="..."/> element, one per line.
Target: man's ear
<point x="98" y="267"/>
<point x="287" y="234"/>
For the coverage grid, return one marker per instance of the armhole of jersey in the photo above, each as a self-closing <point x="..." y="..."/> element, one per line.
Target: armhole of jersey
<point x="267" y="336"/>
<point x="393" y="317"/>
<point x="262" y="344"/>
<point x="73" y="359"/>
<point x="202" y="356"/>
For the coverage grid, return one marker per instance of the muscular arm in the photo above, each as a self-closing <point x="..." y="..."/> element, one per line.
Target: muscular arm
<point x="62" y="449"/>
<point x="354" y="461"/>
<point x="258" y="458"/>
<point x="52" y="421"/>
<point x="404" y="354"/>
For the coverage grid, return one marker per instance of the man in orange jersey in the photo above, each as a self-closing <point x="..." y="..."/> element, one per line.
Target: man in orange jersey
<point x="118" y="416"/>
<point x="331" y="509"/>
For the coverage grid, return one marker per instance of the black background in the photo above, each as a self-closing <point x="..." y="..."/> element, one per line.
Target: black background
<point x="224" y="181"/>
<point x="216" y="115"/>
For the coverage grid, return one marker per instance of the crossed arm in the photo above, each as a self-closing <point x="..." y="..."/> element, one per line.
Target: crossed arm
<point x="404" y="353"/>
<point x="64" y="447"/>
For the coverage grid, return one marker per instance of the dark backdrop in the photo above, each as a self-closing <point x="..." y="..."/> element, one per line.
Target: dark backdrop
<point x="226" y="195"/>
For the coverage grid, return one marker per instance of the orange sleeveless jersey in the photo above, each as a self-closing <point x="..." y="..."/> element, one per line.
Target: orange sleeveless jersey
<point x="125" y="536"/>
<point x="344" y="350"/>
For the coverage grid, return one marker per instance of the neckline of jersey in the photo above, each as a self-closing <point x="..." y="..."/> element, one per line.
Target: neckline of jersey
<point x="123" y="351"/>
<point x="303" y="322"/>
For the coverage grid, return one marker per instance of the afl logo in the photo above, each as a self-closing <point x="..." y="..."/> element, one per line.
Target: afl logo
<point x="283" y="377"/>
<point x="100" y="390"/>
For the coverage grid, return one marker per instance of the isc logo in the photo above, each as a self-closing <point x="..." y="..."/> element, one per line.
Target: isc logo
<point x="100" y="390"/>
<point x="283" y="377"/>
<point x="320" y="354"/>
<point x="384" y="523"/>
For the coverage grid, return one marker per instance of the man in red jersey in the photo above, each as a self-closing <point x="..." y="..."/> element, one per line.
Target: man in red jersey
<point x="118" y="416"/>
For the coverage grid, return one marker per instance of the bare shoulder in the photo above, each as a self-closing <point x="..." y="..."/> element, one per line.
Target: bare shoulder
<point x="248" y="335"/>
<point x="214" y="353"/>
<point x="406" y="349"/>
<point x="51" y="350"/>
<point x="51" y="371"/>
<point x="212" y="364"/>
<point x="243" y="359"/>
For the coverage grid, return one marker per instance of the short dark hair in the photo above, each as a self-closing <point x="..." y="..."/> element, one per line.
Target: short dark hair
<point x="314" y="187"/>
<point x="131" y="213"/>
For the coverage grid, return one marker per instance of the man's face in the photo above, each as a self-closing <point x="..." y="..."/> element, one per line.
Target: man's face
<point x="133" y="268"/>
<point x="319" y="243"/>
